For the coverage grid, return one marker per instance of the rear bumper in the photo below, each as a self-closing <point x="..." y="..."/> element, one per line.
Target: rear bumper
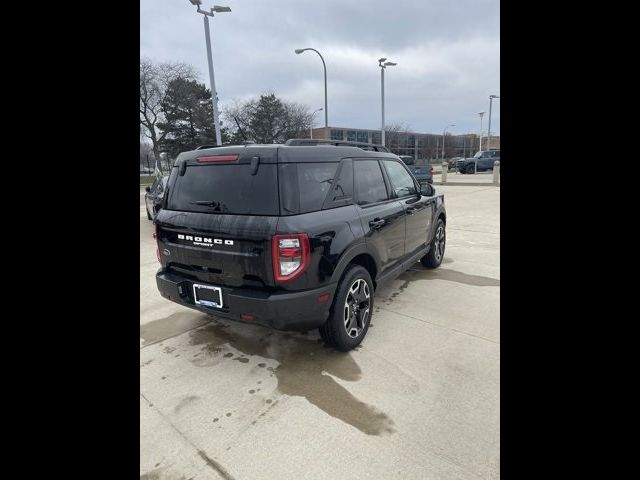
<point x="299" y="311"/>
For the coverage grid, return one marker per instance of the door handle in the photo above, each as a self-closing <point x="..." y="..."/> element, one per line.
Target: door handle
<point x="377" y="223"/>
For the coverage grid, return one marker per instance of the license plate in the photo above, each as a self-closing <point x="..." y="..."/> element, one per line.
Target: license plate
<point x="207" y="295"/>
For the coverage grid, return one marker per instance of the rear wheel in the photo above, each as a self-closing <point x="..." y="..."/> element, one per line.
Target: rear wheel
<point x="433" y="259"/>
<point x="351" y="311"/>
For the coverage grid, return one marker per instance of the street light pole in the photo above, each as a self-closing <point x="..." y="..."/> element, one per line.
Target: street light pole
<point x="491" y="97"/>
<point x="443" y="132"/>
<point x="324" y="65"/>
<point x="214" y="92"/>
<point x="311" y="129"/>
<point x="480" y="137"/>
<point x="383" y="64"/>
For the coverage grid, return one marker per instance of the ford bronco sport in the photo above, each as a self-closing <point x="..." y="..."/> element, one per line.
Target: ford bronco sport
<point x="293" y="237"/>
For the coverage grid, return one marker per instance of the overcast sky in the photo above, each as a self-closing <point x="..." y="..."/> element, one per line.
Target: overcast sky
<point x="448" y="55"/>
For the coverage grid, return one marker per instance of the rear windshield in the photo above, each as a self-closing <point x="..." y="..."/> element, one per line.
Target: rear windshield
<point x="226" y="189"/>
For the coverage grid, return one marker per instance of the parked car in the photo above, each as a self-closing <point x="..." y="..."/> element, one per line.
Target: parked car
<point x="423" y="173"/>
<point x="293" y="237"/>
<point x="153" y="197"/>
<point x="484" y="162"/>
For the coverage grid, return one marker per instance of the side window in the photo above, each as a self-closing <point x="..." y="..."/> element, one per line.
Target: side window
<point x="314" y="182"/>
<point x="341" y="192"/>
<point x="401" y="182"/>
<point x="369" y="182"/>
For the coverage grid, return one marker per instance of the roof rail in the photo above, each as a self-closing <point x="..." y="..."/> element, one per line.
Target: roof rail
<point x="342" y="143"/>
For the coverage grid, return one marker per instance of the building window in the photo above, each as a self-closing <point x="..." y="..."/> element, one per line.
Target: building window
<point x="351" y="135"/>
<point x="376" y="137"/>
<point x="336" y="134"/>
<point x="363" y="137"/>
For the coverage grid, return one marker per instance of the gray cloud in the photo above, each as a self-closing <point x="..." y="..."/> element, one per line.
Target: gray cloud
<point x="448" y="55"/>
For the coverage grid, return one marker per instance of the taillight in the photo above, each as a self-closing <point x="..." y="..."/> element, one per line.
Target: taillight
<point x="290" y="254"/>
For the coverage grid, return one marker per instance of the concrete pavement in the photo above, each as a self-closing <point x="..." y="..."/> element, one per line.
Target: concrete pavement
<point x="418" y="399"/>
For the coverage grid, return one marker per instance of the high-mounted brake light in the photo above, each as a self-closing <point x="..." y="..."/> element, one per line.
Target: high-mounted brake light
<point x="218" y="158"/>
<point x="290" y="255"/>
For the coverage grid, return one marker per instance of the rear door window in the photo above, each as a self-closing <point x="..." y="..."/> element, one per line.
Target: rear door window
<point x="369" y="182"/>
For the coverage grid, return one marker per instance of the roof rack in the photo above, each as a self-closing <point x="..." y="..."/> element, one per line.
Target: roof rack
<point x="340" y="143"/>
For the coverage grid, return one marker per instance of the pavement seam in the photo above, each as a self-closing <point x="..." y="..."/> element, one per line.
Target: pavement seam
<point x="219" y="469"/>
<point x="441" y="326"/>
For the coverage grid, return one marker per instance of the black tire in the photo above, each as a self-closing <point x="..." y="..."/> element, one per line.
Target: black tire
<point x="433" y="259"/>
<point x="335" y="329"/>
<point x="471" y="169"/>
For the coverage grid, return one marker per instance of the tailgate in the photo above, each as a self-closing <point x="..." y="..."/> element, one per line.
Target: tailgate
<point x="220" y="249"/>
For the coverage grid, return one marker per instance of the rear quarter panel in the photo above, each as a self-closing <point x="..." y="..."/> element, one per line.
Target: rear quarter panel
<point x="331" y="233"/>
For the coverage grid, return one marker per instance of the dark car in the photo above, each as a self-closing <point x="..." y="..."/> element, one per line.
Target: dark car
<point x="293" y="237"/>
<point x="423" y="173"/>
<point x="484" y="161"/>
<point x="154" y="195"/>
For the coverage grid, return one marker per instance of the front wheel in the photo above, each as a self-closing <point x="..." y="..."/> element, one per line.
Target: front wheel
<point x="471" y="169"/>
<point x="351" y="311"/>
<point x="433" y="259"/>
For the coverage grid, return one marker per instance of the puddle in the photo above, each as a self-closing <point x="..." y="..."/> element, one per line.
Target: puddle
<point x="418" y="273"/>
<point x="184" y="402"/>
<point x="176" y="323"/>
<point x="305" y="370"/>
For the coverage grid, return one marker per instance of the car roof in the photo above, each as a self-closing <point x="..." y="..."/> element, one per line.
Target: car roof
<point x="279" y="153"/>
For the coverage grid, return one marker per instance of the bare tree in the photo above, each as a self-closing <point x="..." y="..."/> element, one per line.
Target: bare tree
<point x="154" y="82"/>
<point x="393" y="135"/>
<point x="269" y="119"/>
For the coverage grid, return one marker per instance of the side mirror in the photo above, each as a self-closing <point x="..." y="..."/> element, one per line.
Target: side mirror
<point x="147" y="189"/>
<point x="427" y="190"/>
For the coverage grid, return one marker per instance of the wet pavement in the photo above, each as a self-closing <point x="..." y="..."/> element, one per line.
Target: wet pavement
<point x="418" y="399"/>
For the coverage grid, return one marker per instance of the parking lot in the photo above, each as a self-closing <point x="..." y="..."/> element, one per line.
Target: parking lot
<point x="419" y="399"/>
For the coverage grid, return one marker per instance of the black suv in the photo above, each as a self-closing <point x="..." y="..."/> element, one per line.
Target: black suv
<point x="293" y="237"/>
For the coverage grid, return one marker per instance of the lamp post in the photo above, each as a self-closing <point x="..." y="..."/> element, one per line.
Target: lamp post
<point x="491" y="97"/>
<point x="214" y="93"/>
<point x="326" y="110"/>
<point x="443" y="132"/>
<point x="312" y="114"/>
<point x="383" y="64"/>
<point x="480" y="136"/>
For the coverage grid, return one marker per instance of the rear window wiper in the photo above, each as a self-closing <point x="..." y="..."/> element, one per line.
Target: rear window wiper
<point x="211" y="203"/>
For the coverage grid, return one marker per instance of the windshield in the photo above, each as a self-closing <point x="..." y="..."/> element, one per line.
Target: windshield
<point x="478" y="155"/>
